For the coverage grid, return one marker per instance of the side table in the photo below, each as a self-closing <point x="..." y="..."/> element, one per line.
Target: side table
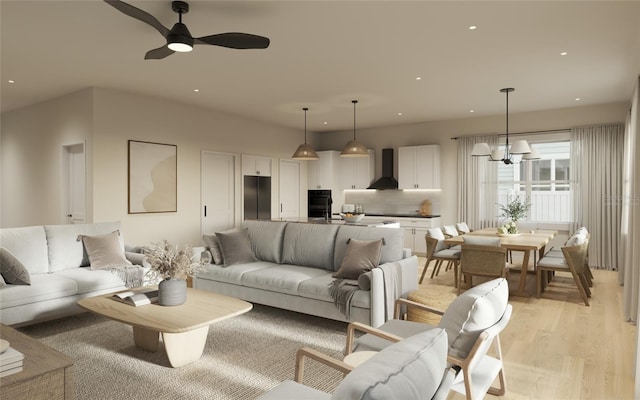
<point x="435" y="296"/>
<point x="47" y="374"/>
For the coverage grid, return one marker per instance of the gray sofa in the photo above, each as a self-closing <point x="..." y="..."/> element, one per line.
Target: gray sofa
<point x="295" y="266"/>
<point x="58" y="270"/>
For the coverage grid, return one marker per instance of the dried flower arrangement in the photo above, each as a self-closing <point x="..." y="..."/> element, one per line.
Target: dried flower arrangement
<point x="169" y="262"/>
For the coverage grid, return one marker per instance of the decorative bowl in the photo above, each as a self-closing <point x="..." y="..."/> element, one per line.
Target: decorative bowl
<point x="351" y="217"/>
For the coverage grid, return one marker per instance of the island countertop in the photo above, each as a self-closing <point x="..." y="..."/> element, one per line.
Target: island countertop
<point x="387" y="223"/>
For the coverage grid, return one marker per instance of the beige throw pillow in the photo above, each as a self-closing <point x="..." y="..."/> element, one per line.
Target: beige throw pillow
<point x="236" y="247"/>
<point x="361" y="256"/>
<point x="213" y="245"/>
<point x="12" y="270"/>
<point x="104" y="251"/>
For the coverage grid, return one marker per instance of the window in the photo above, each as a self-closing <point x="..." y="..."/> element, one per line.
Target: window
<point x="544" y="182"/>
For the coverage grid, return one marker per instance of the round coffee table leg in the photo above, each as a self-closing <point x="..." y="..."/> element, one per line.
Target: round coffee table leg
<point x="185" y="347"/>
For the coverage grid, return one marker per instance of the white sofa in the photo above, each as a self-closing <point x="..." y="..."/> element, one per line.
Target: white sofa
<point x="295" y="266"/>
<point x="59" y="272"/>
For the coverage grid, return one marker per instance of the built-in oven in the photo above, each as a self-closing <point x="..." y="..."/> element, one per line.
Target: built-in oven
<point x="319" y="203"/>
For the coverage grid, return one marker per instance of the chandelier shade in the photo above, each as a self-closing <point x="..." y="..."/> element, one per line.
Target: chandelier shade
<point x="519" y="147"/>
<point x="353" y="148"/>
<point x="305" y="151"/>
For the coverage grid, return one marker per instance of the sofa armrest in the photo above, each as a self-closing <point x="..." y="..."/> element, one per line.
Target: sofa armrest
<point x="406" y="276"/>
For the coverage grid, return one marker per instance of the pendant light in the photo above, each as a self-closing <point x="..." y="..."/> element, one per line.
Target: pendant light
<point x="353" y="148"/>
<point x="305" y="151"/>
<point x="519" y="147"/>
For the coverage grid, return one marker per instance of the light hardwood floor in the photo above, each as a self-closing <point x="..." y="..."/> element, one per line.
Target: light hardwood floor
<point x="555" y="347"/>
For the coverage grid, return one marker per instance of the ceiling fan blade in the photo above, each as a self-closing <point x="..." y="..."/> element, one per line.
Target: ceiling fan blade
<point x="159" y="53"/>
<point x="138" y="14"/>
<point x="235" y="40"/>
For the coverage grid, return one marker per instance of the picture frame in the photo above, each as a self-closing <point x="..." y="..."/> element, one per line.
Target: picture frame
<point x="152" y="177"/>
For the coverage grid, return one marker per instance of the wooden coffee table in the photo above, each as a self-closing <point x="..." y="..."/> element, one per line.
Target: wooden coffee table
<point x="184" y="328"/>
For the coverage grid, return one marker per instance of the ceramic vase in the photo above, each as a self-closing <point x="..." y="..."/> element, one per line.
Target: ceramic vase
<point x="172" y="292"/>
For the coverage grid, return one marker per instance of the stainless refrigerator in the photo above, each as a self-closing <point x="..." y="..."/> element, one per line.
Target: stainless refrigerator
<point x="257" y="197"/>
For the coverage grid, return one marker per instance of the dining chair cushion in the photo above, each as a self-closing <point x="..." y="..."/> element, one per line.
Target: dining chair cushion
<point x="463" y="227"/>
<point x="552" y="262"/>
<point x="482" y="240"/>
<point x="579" y="237"/>
<point x="452" y="253"/>
<point x="435" y="233"/>
<point x="450" y="230"/>
<point x="411" y="369"/>
<point x="472" y="312"/>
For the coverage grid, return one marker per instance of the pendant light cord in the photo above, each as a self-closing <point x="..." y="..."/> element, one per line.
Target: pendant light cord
<point x="305" y="124"/>
<point x="354" y="118"/>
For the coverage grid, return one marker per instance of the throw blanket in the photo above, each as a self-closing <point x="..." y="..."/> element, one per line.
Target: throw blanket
<point x="342" y="290"/>
<point x="131" y="275"/>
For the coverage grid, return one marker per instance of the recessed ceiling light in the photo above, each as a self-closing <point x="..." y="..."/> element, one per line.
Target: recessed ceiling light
<point x="577" y="98"/>
<point x="325" y="122"/>
<point x="564" y="53"/>
<point x="11" y="81"/>
<point x="196" y="90"/>
<point x="473" y="28"/>
<point x="419" y="78"/>
<point x="471" y="111"/>
<point x="400" y="113"/>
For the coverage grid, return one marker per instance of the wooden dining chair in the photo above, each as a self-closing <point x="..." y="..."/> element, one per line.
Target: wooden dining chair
<point x="481" y="260"/>
<point x="573" y="262"/>
<point x="437" y="251"/>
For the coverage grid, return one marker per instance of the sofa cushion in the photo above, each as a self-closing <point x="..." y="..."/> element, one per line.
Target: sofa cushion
<point x="232" y="274"/>
<point x="280" y="278"/>
<point x="12" y="270"/>
<point x="236" y="248"/>
<point x="266" y="239"/>
<point x="66" y="251"/>
<point x="472" y="312"/>
<point x="29" y="245"/>
<point x="391" y="250"/>
<point x="104" y="251"/>
<point x="43" y="287"/>
<point x="318" y="288"/>
<point x="361" y="256"/>
<point x="93" y="280"/>
<point x="311" y="245"/>
<point x="213" y="245"/>
<point x="411" y="369"/>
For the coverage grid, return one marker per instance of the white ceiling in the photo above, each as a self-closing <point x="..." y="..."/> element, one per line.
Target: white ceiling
<point x="323" y="54"/>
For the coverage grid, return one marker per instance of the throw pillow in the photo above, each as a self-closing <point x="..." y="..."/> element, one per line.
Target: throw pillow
<point x="361" y="256"/>
<point x="213" y="245"/>
<point x="236" y="247"/>
<point x="12" y="269"/>
<point x="104" y="251"/>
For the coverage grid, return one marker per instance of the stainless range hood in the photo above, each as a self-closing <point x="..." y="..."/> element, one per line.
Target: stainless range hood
<point x="387" y="181"/>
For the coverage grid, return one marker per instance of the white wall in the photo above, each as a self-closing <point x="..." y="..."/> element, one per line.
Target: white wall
<point x="31" y="146"/>
<point x="441" y="133"/>
<point x="107" y="119"/>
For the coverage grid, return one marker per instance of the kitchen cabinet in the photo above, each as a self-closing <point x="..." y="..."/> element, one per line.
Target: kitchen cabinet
<point x="323" y="173"/>
<point x="419" y="167"/>
<point x="415" y="230"/>
<point x="356" y="172"/>
<point x="256" y="165"/>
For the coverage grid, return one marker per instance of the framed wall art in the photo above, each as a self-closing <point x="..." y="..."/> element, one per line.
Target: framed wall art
<point x="153" y="180"/>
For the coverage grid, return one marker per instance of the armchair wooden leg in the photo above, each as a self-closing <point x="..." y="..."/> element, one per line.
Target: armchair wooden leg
<point x="424" y="270"/>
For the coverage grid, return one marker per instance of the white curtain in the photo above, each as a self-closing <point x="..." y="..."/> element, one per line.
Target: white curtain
<point x="477" y="184"/>
<point x="629" y="274"/>
<point x="597" y="154"/>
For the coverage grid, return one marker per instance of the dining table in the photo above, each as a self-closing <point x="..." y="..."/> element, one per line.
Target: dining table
<point x="526" y="242"/>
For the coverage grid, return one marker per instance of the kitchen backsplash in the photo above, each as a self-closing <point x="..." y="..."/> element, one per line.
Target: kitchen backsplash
<point x="393" y="201"/>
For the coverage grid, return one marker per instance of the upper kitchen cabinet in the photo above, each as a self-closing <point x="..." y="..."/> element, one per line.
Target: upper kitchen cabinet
<point x="323" y="173"/>
<point x="356" y="172"/>
<point x="419" y="167"/>
<point x="256" y="165"/>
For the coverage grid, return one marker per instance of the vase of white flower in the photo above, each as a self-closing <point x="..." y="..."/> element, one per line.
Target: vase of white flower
<point x="515" y="209"/>
<point x="173" y="266"/>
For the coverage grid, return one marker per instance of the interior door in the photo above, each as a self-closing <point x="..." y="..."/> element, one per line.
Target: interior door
<point x="74" y="183"/>
<point x="218" y="192"/>
<point x="289" y="189"/>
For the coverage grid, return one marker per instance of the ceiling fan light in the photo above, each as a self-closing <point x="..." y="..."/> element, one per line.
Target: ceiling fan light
<point x="481" y="149"/>
<point x="179" y="38"/>
<point x="520" y="147"/>
<point x="354" y="148"/>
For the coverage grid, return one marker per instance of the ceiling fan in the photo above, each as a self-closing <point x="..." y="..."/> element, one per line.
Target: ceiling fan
<point x="179" y="38"/>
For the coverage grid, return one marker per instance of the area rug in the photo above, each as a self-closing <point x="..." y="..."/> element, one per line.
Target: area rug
<point x="244" y="357"/>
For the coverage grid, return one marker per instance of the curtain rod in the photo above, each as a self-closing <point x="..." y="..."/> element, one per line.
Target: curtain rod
<point x="519" y="133"/>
